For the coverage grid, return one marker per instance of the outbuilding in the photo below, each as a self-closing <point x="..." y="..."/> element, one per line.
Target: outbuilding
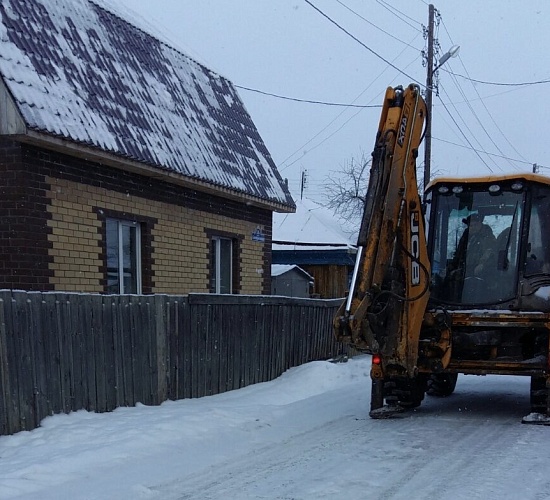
<point x="291" y="281"/>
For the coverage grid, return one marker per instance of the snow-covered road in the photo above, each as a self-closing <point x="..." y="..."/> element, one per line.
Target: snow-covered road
<point x="305" y="435"/>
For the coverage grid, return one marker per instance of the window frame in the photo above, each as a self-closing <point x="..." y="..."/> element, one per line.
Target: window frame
<point x="132" y="224"/>
<point x="217" y="259"/>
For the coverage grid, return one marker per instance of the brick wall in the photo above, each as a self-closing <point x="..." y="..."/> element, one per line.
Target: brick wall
<point x="24" y="245"/>
<point x="76" y="197"/>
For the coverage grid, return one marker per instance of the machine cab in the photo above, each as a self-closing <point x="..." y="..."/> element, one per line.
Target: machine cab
<point x="489" y="242"/>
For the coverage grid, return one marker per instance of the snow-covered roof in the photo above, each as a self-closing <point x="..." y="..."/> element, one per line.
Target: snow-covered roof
<point x="312" y="227"/>
<point x="280" y="269"/>
<point x="81" y="73"/>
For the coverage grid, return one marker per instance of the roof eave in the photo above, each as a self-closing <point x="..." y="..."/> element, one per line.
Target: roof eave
<point x="97" y="155"/>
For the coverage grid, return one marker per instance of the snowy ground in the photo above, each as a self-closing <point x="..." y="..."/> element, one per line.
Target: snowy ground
<point x="305" y="435"/>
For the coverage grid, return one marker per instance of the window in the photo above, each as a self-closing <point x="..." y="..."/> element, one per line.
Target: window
<point x="222" y="265"/>
<point x="476" y="240"/>
<point x="123" y="240"/>
<point x="538" y="254"/>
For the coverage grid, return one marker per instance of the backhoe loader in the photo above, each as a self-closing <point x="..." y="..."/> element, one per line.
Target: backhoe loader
<point x="458" y="282"/>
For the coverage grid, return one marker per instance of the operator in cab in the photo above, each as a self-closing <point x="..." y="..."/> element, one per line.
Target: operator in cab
<point x="476" y="250"/>
<point x="475" y="259"/>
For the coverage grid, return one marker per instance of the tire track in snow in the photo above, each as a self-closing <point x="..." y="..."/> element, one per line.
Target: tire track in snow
<point x="459" y="453"/>
<point x="449" y="449"/>
<point x="271" y="471"/>
<point x="460" y="450"/>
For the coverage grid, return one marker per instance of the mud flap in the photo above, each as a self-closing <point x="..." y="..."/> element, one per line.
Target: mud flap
<point x="386" y="412"/>
<point x="377" y="394"/>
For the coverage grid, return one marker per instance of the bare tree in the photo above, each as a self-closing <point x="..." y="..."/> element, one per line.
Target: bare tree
<point x="345" y="190"/>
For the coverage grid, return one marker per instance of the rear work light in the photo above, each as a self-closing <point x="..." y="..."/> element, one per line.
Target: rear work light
<point x="517" y="186"/>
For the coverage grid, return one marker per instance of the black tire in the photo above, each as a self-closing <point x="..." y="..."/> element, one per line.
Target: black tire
<point x="441" y="384"/>
<point x="539" y="395"/>
<point x="405" y="392"/>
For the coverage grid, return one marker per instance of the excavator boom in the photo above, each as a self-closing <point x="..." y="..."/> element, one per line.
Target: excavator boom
<point x="389" y="293"/>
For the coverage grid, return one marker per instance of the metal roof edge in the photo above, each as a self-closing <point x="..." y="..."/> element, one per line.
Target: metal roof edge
<point x="98" y="155"/>
<point x="490" y="178"/>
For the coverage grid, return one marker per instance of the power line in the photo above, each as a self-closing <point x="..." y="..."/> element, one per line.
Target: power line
<point x="518" y="84"/>
<point x="309" y="101"/>
<point x="477" y="151"/>
<point x="336" y="104"/>
<point x="362" y="44"/>
<point x="337" y="130"/>
<point x="495" y="123"/>
<point x="489" y="96"/>
<point x="282" y="164"/>
<point x="485" y="152"/>
<point x="393" y="10"/>
<point x="324" y="140"/>
<point x="465" y="137"/>
<point x="281" y="168"/>
<point x="474" y="113"/>
<point x="375" y="26"/>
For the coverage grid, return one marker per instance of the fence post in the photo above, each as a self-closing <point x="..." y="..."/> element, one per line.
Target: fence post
<point x="6" y="418"/>
<point x="160" y="306"/>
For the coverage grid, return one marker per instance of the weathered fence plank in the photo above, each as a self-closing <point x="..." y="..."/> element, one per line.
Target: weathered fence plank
<point x="61" y="352"/>
<point x="172" y="343"/>
<point x="159" y="317"/>
<point x="99" y="366"/>
<point x="51" y="353"/>
<point x="63" y="315"/>
<point x="138" y="346"/>
<point x="185" y="346"/>
<point x="38" y="357"/>
<point x="110" y="375"/>
<point x="6" y="415"/>
<point x="23" y="361"/>
<point x="14" y="408"/>
<point x="78" y="390"/>
<point x="126" y="351"/>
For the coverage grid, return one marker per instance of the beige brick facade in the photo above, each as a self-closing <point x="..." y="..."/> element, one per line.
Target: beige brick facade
<point x="179" y="240"/>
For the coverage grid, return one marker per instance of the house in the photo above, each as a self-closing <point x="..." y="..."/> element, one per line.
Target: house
<point x="313" y="239"/>
<point x="291" y="281"/>
<point x="125" y="165"/>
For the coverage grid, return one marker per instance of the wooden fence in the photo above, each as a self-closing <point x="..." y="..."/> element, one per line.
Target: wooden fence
<point x="62" y="352"/>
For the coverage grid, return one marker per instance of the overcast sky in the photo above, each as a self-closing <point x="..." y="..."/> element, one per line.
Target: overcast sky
<point x="287" y="47"/>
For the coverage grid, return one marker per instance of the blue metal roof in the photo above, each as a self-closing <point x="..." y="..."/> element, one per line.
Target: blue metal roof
<point x="342" y="257"/>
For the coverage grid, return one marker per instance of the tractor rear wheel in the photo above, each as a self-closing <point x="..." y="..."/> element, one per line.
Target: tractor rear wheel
<point x="405" y="392"/>
<point x="441" y="384"/>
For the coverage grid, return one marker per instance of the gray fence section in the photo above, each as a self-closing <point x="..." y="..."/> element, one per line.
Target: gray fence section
<point x="66" y="352"/>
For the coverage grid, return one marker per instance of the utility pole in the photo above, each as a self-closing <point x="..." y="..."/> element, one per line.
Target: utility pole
<point x="303" y="184"/>
<point x="430" y="72"/>
<point x="429" y="91"/>
<point x="535" y="168"/>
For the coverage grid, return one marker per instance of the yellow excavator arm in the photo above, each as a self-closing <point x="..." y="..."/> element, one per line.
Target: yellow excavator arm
<point x="487" y="316"/>
<point x="389" y="292"/>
